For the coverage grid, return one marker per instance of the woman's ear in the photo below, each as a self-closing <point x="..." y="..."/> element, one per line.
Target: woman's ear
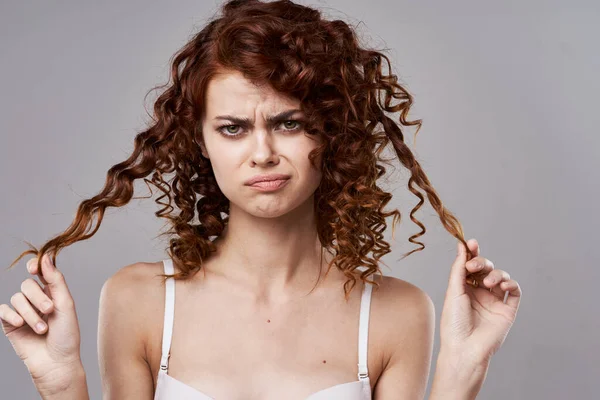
<point x="203" y="150"/>
<point x="200" y="144"/>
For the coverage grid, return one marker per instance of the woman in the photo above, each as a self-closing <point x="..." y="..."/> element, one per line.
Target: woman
<point x="271" y="119"/>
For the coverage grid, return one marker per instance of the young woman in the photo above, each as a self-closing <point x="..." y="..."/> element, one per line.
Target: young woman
<point x="268" y="130"/>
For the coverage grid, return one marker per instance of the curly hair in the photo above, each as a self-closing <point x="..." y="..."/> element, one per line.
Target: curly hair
<point x="317" y="61"/>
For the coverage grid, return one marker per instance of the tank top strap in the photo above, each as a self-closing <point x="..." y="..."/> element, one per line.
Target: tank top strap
<point x="363" y="331"/>
<point x="169" y="314"/>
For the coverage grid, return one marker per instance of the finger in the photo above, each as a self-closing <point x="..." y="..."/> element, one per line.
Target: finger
<point x="27" y="312"/>
<point x="493" y="281"/>
<point x="32" y="268"/>
<point x="458" y="271"/>
<point x="36" y="269"/>
<point x="474" y="247"/>
<point x="480" y="264"/>
<point x="36" y="296"/>
<point x="514" y="292"/>
<point x="495" y="277"/>
<point x="32" y="265"/>
<point x="10" y="317"/>
<point x="57" y="286"/>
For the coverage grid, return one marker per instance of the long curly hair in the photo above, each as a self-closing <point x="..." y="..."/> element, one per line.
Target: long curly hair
<point x="317" y="61"/>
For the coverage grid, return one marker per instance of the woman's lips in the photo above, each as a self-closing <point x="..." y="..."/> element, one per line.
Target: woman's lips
<point x="269" y="186"/>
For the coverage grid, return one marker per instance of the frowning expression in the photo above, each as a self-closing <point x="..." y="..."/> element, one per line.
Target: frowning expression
<point x="249" y="131"/>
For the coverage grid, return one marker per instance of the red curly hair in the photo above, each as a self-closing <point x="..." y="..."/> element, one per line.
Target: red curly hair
<point x="317" y="61"/>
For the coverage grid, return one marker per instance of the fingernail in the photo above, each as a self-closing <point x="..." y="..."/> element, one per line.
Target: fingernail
<point x="40" y="326"/>
<point x="29" y="264"/>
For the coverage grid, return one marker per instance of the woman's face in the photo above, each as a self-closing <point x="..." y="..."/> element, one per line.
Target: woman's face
<point x="239" y="150"/>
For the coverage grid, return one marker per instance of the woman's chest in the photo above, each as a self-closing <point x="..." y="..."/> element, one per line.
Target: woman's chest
<point x="221" y="348"/>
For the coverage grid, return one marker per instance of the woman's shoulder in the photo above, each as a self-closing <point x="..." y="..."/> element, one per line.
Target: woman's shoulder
<point x="403" y="316"/>
<point x="140" y="285"/>
<point x="134" y="289"/>
<point x="135" y="279"/>
<point x="134" y="295"/>
<point x="396" y="293"/>
<point x="399" y="303"/>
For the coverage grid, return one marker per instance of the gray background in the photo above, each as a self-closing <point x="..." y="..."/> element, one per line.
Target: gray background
<point x="508" y="95"/>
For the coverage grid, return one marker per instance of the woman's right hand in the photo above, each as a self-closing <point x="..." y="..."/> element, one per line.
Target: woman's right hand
<point x="51" y="354"/>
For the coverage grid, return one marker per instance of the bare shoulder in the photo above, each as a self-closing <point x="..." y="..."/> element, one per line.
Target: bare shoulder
<point x="144" y="271"/>
<point x="133" y="293"/>
<point x="405" y="322"/>
<point x="128" y="301"/>
<point x="403" y="313"/>
<point x="398" y="298"/>
<point x="137" y="281"/>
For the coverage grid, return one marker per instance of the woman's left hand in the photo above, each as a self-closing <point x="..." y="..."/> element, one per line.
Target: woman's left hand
<point x="476" y="320"/>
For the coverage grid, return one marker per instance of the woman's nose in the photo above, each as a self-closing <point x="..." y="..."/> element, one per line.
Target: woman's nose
<point x="264" y="150"/>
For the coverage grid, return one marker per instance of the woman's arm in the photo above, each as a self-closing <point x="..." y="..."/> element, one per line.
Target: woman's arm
<point x="453" y="381"/>
<point x="124" y="370"/>
<point x="479" y="310"/>
<point x="75" y="390"/>
<point x="126" y="301"/>
<point x="408" y="323"/>
<point x="473" y="325"/>
<point x="50" y="353"/>
<point x="411" y="334"/>
<point x="124" y="305"/>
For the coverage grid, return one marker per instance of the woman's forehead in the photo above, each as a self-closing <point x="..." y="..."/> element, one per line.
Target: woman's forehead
<point x="232" y="94"/>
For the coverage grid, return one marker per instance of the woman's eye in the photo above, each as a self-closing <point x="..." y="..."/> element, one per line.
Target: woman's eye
<point x="229" y="126"/>
<point x="226" y="131"/>
<point x="293" y="122"/>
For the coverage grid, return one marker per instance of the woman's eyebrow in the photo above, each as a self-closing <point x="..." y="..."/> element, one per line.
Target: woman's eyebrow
<point x="271" y="120"/>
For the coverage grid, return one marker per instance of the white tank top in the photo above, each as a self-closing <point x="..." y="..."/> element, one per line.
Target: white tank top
<point x="169" y="388"/>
